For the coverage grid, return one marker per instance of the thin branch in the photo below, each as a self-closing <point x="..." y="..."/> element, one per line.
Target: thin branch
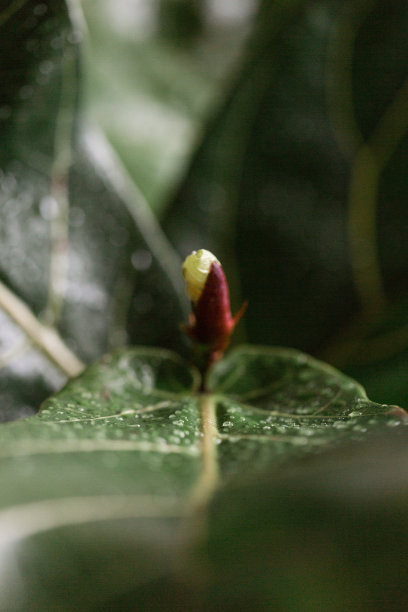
<point x="45" y="338"/>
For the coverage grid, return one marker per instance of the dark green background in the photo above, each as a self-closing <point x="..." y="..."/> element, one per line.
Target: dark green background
<point x="277" y="140"/>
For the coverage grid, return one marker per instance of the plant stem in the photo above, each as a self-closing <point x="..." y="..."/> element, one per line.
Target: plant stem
<point x="46" y="338"/>
<point x="209" y="477"/>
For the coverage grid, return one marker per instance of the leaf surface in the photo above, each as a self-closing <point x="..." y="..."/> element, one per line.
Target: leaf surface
<point x="128" y="456"/>
<point x="80" y="252"/>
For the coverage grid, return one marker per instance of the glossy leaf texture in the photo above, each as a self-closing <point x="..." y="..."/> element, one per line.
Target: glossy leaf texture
<point x="105" y="491"/>
<point x="80" y="252"/>
<point x="299" y="186"/>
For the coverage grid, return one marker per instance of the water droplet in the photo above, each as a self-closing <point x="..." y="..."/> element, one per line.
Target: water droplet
<point x="174" y="440"/>
<point x="301" y="359"/>
<point x="393" y="423"/>
<point x="302" y="410"/>
<point x="307" y="431"/>
<point x="227" y="424"/>
<point x="360" y="428"/>
<point x="234" y="410"/>
<point x="141" y="260"/>
<point x="340" y="424"/>
<point x="355" y="413"/>
<point x="48" y="208"/>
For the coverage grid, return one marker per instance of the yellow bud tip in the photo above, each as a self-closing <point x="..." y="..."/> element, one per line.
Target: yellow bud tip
<point x="195" y="271"/>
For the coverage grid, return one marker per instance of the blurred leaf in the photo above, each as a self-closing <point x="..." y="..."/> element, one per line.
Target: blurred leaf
<point x="300" y="184"/>
<point x="330" y="535"/>
<point x="181" y="20"/>
<point x="381" y="358"/>
<point x="104" y="492"/>
<point x="77" y="241"/>
<point x="155" y="72"/>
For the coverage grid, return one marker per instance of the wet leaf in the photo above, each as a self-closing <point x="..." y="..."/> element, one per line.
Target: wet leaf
<point x="80" y="253"/>
<point x="113" y="476"/>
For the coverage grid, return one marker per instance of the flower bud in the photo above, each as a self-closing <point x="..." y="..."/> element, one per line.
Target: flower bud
<point x="195" y="270"/>
<point x="211" y="322"/>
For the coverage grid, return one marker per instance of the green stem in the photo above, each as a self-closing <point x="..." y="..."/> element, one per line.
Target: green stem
<point x="209" y="477"/>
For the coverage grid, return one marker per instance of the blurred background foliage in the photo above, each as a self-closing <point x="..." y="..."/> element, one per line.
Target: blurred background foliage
<point x="273" y="133"/>
<point x="155" y="72"/>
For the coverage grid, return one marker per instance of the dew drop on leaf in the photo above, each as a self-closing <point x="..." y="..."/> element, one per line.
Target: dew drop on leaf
<point x="393" y="422"/>
<point x="340" y="424"/>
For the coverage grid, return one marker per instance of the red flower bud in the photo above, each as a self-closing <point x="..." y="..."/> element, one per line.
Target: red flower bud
<point x="211" y="323"/>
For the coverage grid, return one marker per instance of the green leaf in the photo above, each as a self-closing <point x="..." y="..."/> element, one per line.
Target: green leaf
<point x="380" y="357"/>
<point x="116" y="471"/>
<point x="330" y="535"/>
<point x="302" y="176"/>
<point x="153" y="79"/>
<point x="81" y="256"/>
